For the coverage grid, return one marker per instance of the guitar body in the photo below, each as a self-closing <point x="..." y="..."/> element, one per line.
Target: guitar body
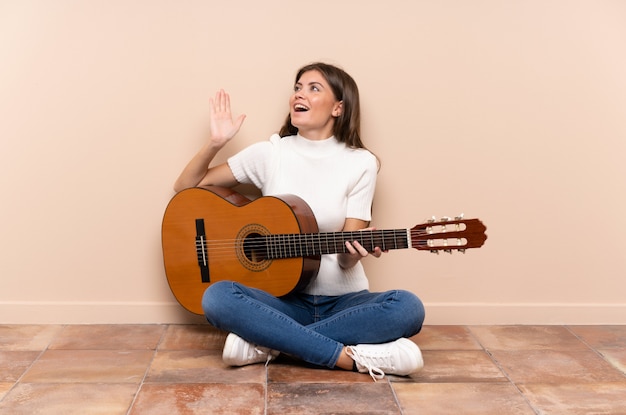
<point x="220" y="224"/>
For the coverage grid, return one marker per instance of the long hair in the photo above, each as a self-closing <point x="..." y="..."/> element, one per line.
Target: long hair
<point x="347" y="127"/>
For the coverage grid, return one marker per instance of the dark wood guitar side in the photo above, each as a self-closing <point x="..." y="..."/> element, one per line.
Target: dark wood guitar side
<point x="273" y="243"/>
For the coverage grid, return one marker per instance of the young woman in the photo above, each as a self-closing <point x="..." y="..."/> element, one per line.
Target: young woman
<point x="335" y="321"/>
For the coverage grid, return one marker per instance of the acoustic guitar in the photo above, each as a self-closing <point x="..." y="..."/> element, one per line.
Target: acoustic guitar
<point x="273" y="242"/>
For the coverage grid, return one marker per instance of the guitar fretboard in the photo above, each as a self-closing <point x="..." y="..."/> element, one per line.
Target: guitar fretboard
<point x="313" y="244"/>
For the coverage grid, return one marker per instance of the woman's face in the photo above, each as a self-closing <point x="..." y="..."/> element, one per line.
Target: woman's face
<point x="313" y="106"/>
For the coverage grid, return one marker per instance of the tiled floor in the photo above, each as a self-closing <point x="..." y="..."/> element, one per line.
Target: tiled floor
<point x="177" y="369"/>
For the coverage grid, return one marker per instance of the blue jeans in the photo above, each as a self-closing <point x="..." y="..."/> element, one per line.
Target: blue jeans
<point x="311" y="327"/>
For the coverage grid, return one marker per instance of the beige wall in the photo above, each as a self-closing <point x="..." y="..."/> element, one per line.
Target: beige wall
<point x="510" y="111"/>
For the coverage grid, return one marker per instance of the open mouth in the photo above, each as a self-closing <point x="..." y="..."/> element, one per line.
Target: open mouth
<point x="300" y="108"/>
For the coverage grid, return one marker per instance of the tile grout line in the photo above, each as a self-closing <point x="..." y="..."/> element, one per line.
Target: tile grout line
<point x="395" y="397"/>
<point x="595" y="350"/>
<point x="501" y="369"/>
<point x="149" y="366"/>
<point x="35" y="360"/>
<point x="265" y="389"/>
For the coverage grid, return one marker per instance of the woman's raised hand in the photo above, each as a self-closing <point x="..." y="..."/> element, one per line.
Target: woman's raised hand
<point x="223" y="127"/>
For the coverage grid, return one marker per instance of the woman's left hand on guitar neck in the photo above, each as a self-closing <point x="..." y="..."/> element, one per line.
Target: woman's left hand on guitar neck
<point x="355" y="249"/>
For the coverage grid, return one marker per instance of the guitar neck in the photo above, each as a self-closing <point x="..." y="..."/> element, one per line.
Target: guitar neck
<point x="313" y="244"/>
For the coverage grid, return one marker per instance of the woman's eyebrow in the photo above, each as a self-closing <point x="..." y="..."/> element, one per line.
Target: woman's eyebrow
<point x="316" y="83"/>
<point x="312" y="83"/>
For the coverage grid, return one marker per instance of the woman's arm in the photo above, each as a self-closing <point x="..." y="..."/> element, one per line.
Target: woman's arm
<point x="223" y="129"/>
<point x="356" y="251"/>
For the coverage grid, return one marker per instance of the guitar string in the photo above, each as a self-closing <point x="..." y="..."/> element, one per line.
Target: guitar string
<point x="340" y="236"/>
<point x="314" y="238"/>
<point x="233" y="252"/>
<point x="312" y="244"/>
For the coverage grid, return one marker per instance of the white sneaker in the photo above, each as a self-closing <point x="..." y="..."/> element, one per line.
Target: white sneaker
<point x="401" y="357"/>
<point x="238" y="352"/>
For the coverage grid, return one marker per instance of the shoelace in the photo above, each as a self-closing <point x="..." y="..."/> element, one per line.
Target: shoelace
<point x="269" y="359"/>
<point x="375" y="372"/>
<point x="261" y="352"/>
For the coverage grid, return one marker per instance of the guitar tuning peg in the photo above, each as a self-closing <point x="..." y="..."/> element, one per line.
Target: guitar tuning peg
<point x="460" y="217"/>
<point x="448" y="251"/>
<point x="445" y="219"/>
<point x="431" y="220"/>
<point x="461" y="250"/>
<point x="434" y="251"/>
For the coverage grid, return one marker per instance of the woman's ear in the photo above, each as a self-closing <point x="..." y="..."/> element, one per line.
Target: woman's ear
<point x="338" y="109"/>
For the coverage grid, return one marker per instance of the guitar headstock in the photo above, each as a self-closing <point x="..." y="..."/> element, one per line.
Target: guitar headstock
<point x="447" y="234"/>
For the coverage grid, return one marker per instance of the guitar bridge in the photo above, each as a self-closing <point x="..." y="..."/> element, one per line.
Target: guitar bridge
<point x="201" y="251"/>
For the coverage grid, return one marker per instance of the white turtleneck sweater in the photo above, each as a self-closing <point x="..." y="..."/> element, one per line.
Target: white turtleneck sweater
<point x="336" y="181"/>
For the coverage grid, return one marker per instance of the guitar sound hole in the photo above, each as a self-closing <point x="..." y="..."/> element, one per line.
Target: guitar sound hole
<point x="255" y="248"/>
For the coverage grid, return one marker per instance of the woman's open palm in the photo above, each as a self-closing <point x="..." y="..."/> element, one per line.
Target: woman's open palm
<point x="223" y="127"/>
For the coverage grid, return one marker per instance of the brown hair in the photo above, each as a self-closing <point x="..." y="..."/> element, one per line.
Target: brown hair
<point x="347" y="127"/>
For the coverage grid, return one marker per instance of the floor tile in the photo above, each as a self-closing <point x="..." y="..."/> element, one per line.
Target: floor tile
<point x="556" y="366"/>
<point x="331" y="398"/>
<point x="458" y="366"/>
<point x="109" y="337"/>
<point x="13" y="364"/>
<point x="461" y="398"/>
<point x="27" y="337"/>
<point x="446" y="338"/>
<point x="527" y="338"/>
<point x="177" y="369"/>
<point x="577" y="399"/>
<point x="88" y="366"/>
<point x="602" y="337"/>
<point x="192" y="399"/>
<point x="4" y="388"/>
<point x="616" y="357"/>
<point x="193" y="336"/>
<point x="299" y="373"/>
<point x="68" y="399"/>
<point x="200" y="366"/>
